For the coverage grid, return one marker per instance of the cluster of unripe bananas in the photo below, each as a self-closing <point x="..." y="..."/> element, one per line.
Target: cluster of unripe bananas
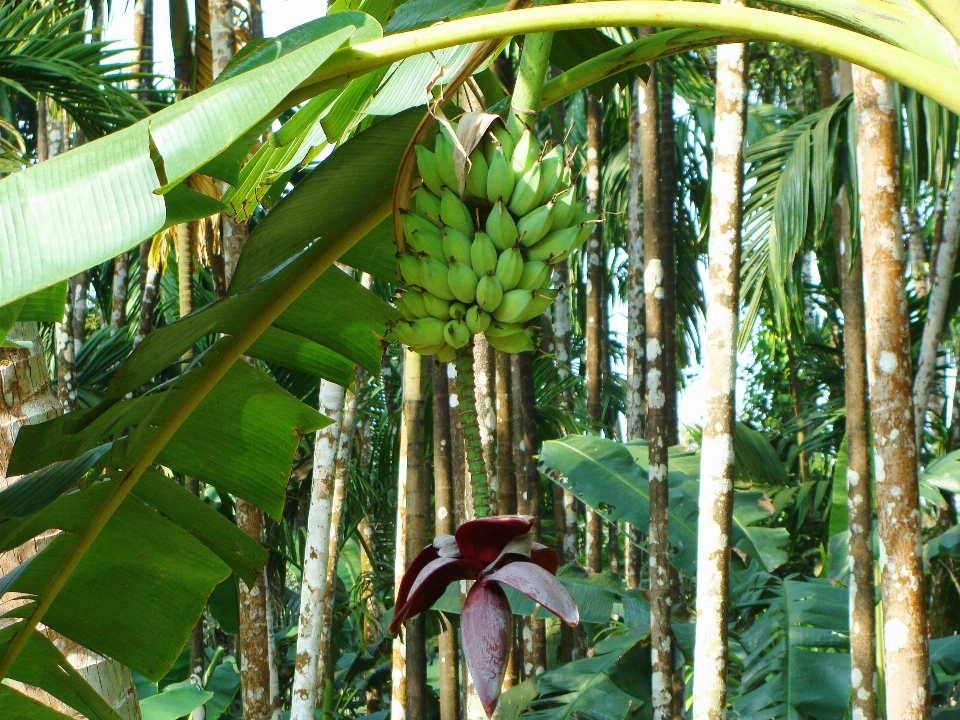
<point x="479" y="260"/>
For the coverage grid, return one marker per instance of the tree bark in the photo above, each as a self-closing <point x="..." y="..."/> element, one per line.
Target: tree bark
<point x="594" y="342"/>
<point x="716" y="457"/>
<point x="528" y="493"/>
<point x="936" y="310"/>
<point x="918" y="253"/>
<point x="418" y="507"/>
<point x="443" y="489"/>
<point x="118" y="302"/>
<point x="889" y="372"/>
<point x="304" y="696"/>
<point x="668" y="221"/>
<point x="657" y="402"/>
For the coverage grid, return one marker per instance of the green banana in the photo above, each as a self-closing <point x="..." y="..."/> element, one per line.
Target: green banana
<point x="535" y="274"/>
<point x="542" y="300"/>
<point x="443" y="150"/>
<point x="456" y="333"/>
<point x="458" y="311"/>
<point x="501" y="227"/>
<point x="554" y="245"/>
<point x="509" y="268"/>
<point x="499" y="329"/>
<point x="563" y="209"/>
<point x="414" y="302"/>
<point x="408" y="269"/>
<point x="401" y="304"/>
<point x="489" y="292"/>
<point x="403" y="331"/>
<point x="446" y="353"/>
<point x="426" y="205"/>
<point x="427" y="167"/>
<point x="431" y="329"/>
<point x="430" y="243"/>
<point x="436" y="307"/>
<point x="505" y="139"/>
<point x="455" y="214"/>
<point x="534" y="225"/>
<point x="513" y="306"/>
<point x="433" y="274"/>
<point x="413" y="223"/>
<point x="516" y="343"/>
<point x="427" y="349"/>
<point x="477" y="175"/>
<point x="526" y="193"/>
<point x="525" y="153"/>
<point x="456" y="245"/>
<point x="500" y="177"/>
<point x="462" y="282"/>
<point x="483" y="254"/>
<point x="551" y="170"/>
<point x="477" y="320"/>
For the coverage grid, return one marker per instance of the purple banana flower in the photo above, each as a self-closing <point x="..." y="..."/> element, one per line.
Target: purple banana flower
<point x="494" y="551"/>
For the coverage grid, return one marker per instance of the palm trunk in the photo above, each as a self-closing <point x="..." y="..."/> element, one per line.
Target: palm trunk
<point x="304" y="696"/>
<point x="506" y="469"/>
<point x="716" y="464"/>
<point x="657" y="404"/>
<point x="561" y="344"/>
<point x="417" y="536"/>
<point x="445" y="525"/>
<point x="936" y="310"/>
<point x="484" y="364"/>
<point x="594" y="351"/>
<point x="888" y="356"/>
<point x="918" y="253"/>
<point x="149" y="281"/>
<point x="66" y="354"/>
<point x="668" y="210"/>
<point x="528" y="495"/>
<point x="118" y="303"/>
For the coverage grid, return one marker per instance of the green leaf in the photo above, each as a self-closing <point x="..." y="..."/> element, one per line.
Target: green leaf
<point x="420" y="13"/>
<point x="17" y="706"/>
<point x="838" y="502"/>
<point x="225" y="684"/>
<point x="35" y="491"/>
<point x="174" y="703"/>
<point x="756" y="461"/>
<point x="100" y="199"/>
<point x="406" y="83"/>
<point x="224" y="606"/>
<point x="185" y="204"/>
<point x="157" y="575"/>
<point x="357" y="177"/>
<point x="943" y="473"/>
<point x="45" y="305"/>
<point x="42" y="665"/>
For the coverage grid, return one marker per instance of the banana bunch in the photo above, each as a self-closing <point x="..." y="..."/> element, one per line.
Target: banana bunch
<point x="480" y="260"/>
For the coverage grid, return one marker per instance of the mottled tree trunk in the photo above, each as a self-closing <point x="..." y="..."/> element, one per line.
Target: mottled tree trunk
<point x="863" y="661"/>
<point x="668" y="215"/>
<point x="889" y="370"/>
<point x="444" y="518"/>
<point x="918" y="253"/>
<point x="937" y="306"/>
<point x="305" y="693"/>
<point x="657" y="411"/>
<point x="716" y="458"/>
<point x="118" y="301"/>
<point x="594" y="342"/>
<point x="636" y="315"/>
<point x="506" y="472"/>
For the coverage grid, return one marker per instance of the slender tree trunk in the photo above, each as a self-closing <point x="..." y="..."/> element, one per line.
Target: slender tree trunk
<point x="66" y="354"/>
<point x="668" y="203"/>
<point x="484" y="364"/>
<point x="888" y="361"/>
<point x="657" y="410"/>
<point x="636" y="315"/>
<point x="936" y="310"/>
<point x="528" y="495"/>
<point x="118" y="305"/>
<point x="417" y="536"/>
<point x="305" y="693"/>
<point x="594" y="351"/>
<point x="443" y="489"/>
<point x="716" y="463"/>
<point x="506" y="470"/>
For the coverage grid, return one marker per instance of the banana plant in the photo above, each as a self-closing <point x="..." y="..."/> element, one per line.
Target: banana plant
<point x="122" y="516"/>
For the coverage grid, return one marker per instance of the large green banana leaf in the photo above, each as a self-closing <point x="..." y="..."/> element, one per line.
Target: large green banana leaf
<point x="611" y="478"/>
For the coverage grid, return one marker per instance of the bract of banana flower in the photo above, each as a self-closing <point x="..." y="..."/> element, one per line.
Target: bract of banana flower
<point x="494" y="551"/>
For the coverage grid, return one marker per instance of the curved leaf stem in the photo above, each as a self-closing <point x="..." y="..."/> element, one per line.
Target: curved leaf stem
<point x="323" y="257"/>
<point x="927" y="77"/>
